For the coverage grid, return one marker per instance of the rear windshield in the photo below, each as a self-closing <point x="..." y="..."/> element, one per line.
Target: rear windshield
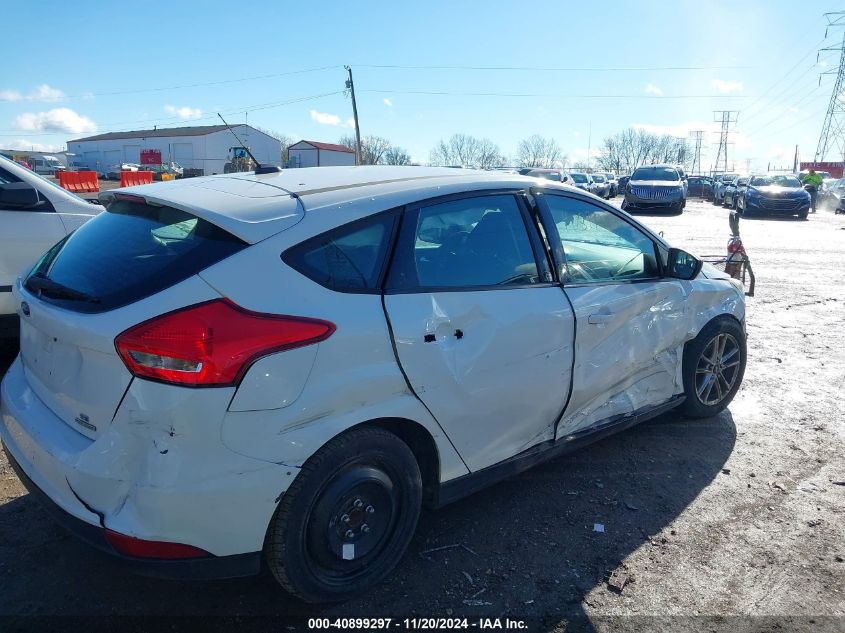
<point x="130" y="251"/>
<point x="656" y="173"/>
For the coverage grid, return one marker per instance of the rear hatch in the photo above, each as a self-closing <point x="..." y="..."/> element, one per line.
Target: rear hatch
<point x="133" y="262"/>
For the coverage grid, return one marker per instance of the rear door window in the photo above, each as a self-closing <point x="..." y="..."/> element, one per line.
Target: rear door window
<point x="477" y="242"/>
<point x="130" y="251"/>
<point x="347" y="259"/>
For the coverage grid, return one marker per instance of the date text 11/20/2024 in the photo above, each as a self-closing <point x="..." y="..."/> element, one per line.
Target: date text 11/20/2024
<point x="417" y="623"/>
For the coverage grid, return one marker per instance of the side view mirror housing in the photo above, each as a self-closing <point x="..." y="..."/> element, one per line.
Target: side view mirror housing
<point x="19" y="195"/>
<point x="682" y="265"/>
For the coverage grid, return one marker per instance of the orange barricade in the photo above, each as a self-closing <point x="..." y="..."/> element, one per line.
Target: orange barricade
<point x="135" y="178"/>
<point x="79" y="181"/>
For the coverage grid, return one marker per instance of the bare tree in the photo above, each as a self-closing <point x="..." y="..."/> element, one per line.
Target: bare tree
<point x="537" y="151"/>
<point x="467" y="151"/>
<point x="372" y="147"/>
<point x="397" y="156"/>
<point x="627" y="150"/>
<point x="285" y="140"/>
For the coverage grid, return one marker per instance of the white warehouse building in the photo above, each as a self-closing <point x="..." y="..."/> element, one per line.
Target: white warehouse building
<point x="316" y="154"/>
<point x="202" y="147"/>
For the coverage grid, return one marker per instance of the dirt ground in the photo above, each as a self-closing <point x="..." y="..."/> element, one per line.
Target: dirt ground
<point x="733" y="523"/>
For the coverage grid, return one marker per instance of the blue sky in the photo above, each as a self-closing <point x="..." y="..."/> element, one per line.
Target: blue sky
<point x="103" y="66"/>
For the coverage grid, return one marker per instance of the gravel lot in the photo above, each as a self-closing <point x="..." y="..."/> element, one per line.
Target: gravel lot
<point x="739" y="515"/>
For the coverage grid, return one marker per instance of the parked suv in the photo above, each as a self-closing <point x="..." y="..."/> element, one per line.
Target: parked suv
<point x="655" y="187"/>
<point x="602" y="189"/>
<point x="583" y="181"/>
<point x="287" y="366"/>
<point x="719" y="185"/>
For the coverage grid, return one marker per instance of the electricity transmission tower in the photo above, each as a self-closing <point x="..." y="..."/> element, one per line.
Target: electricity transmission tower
<point x="725" y="117"/>
<point x="697" y="136"/>
<point x="832" y="136"/>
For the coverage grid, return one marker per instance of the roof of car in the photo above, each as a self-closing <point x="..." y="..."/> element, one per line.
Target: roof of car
<point x="254" y="207"/>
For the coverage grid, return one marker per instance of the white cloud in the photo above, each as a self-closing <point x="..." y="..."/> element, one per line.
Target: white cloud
<point x="350" y="122"/>
<point x="10" y="95"/>
<point x="30" y="146"/>
<point x="388" y="103"/>
<point x="324" y="118"/>
<point x="184" y="113"/>
<point x="57" y="120"/>
<point x="726" y="86"/>
<point x="653" y="90"/>
<point x="46" y="93"/>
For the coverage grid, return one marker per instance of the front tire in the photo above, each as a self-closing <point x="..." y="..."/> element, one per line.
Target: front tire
<point x="713" y="367"/>
<point x="348" y="517"/>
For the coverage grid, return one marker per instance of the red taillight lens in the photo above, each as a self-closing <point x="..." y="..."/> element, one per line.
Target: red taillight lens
<point x="734" y="246"/>
<point x="131" y="546"/>
<point x="212" y="344"/>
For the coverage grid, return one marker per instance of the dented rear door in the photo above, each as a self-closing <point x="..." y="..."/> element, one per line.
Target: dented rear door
<point x="483" y="336"/>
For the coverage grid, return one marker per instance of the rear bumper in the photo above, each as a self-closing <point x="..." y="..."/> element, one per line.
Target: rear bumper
<point x="197" y="569"/>
<point x="176" y="484"/>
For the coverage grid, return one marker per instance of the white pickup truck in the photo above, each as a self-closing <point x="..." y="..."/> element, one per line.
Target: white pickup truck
<point x="34" y="214"/>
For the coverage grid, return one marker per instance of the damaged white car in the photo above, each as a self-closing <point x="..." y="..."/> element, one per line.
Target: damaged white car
<point x="288" y="366"/>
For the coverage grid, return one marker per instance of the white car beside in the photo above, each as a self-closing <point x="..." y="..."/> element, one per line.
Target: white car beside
<point x="288" y="366"/>
<point x="34" y="214"/>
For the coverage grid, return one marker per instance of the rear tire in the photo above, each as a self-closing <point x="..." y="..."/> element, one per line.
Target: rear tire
<point x="713" y="367"/>
<point x="348" y="517"/>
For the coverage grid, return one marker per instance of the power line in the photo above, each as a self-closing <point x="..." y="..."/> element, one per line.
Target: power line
<point x="200" y="85"/>
<point x="115" y="126"/>
<point x="551" y="69"/>
<point x="549" y="95"/>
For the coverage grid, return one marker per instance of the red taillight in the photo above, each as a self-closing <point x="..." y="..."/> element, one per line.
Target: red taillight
<point x="212" y="344"/>
<point x="131" y="546"/>
<point x="734" y="246"/>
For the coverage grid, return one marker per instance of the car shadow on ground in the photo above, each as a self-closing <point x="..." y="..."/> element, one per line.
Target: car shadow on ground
<point x="534" y="546"/>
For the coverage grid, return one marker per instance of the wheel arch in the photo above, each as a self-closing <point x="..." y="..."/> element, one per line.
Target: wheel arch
<point x="422" y="445"/>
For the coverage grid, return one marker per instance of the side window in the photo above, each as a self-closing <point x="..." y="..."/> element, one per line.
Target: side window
<point x="349" y="258"/>
<point x="599" y="245"/>
<point x="472" y="242"/>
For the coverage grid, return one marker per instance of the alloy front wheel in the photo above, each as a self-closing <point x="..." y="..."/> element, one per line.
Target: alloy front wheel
<point x="713" y="367"/>
<point x="718" y="367"/>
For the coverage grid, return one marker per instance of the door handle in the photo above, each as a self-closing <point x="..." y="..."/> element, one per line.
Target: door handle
<point x="600" y="318"/>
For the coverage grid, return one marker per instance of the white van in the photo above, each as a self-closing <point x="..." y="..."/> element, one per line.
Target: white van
<point x="34" y="214"/>
<point x="45" y="165"/>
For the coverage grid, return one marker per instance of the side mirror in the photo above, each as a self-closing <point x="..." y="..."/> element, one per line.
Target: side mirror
<point x="19" y="195"/>
<point x="682" y="265"/>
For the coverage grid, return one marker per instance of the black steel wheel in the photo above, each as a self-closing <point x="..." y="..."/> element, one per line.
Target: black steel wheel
<point x="348" y="517"/>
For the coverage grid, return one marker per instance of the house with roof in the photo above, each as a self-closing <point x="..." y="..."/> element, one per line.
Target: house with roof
<point x="317" y="154"/>
<point x="204" y="149"/>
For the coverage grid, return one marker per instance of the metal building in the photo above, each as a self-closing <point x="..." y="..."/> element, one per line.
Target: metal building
<point x="316" y="154"/>
<point x="205" y="148"/>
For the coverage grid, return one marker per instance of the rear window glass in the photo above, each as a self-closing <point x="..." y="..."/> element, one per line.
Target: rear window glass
<point x="347" y="259"/>
<point x="128" y="252"/>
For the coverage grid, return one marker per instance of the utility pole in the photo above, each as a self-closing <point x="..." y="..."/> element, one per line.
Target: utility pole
<point x="795" y="160"/>
<point x="832" y="136"/>
<point x="697" y="136"/>
<point x="725" y="117"/>
<point x="350" y="86"/>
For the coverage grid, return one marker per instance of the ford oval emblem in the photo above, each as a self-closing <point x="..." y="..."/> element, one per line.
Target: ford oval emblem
<point x="25" y="308"/>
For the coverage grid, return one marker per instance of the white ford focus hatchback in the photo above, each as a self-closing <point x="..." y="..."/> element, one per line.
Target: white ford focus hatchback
<point x="287" y="366"/>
